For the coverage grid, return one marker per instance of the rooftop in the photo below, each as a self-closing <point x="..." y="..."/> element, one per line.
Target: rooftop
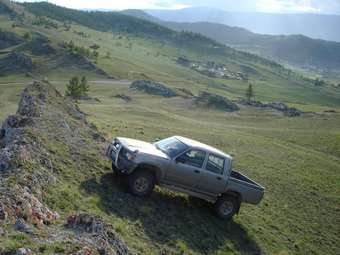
<point x="196" y="144"/>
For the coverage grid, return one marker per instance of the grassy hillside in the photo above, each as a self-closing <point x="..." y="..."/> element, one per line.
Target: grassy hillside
<point x="296" y="159"/>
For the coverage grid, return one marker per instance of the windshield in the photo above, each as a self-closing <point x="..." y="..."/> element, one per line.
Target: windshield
<point x="171" y="146"/>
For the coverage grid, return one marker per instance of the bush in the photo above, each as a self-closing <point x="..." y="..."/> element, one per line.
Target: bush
<point x="77" y="88"/>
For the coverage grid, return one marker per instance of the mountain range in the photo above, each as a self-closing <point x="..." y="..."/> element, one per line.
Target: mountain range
<point x="299" y="51"/>
<point x="316" y="26"/>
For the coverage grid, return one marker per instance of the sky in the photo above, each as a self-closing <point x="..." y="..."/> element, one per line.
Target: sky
<point x="277" y="6"/>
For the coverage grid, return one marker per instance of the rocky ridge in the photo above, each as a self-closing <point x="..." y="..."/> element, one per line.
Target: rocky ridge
<point x="46" y="139"/>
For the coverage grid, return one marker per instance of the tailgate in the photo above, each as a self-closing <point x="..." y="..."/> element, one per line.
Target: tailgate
<point x="251" y="191"/>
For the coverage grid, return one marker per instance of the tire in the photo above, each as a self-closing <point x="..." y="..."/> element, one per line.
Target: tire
<point x="226" y="207"/>
<point x="141" y="183"/>
<point x="114" y="168"/>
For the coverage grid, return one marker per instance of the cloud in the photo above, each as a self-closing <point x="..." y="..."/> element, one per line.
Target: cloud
<point x="287" y="6"/>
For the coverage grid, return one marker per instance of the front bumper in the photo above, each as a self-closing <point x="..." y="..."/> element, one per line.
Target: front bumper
<point x="112" y="152"/>
<point x="119" y="161"/>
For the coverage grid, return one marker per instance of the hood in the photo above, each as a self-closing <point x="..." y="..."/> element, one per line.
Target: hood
<point x="141" y="146"/>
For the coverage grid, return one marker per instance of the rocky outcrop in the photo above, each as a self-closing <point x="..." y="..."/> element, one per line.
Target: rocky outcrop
<point x="210" y="100"/>
<point x="47" y="137"/>
<point x="16" y="62"/>
<point x="71" y="58"/>
<point x="41" y="46"/>
<point x="279" y="106"/>
<point x="101" y="233"/>
<point x="8" y="39"/>
<point x="153" y="88"/>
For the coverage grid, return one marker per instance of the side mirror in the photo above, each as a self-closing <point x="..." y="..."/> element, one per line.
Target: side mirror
<point x="155" y="140"/>
<point x="180" y="160"/>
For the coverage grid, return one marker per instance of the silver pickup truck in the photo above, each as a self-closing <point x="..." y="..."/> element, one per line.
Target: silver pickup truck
<point x="186" y="166"/>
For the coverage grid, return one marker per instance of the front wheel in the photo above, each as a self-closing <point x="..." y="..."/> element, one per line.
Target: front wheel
<point x="226" y="207"/>
<point x="141" y="183"/>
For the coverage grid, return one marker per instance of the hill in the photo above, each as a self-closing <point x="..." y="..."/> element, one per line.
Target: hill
<point x="319" y="56"/>
<point x="312" y="25"/>
<point x="58" y="195"/>
<point x="296" y="50"/>
<point x="118" y="22"/>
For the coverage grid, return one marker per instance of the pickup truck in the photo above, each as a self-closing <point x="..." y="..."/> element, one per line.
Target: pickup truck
<point x="186" y="166"/>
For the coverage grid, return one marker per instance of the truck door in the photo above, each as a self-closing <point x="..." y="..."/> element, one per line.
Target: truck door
<point x="213" y="179"/>
<point x="185" y="170"/>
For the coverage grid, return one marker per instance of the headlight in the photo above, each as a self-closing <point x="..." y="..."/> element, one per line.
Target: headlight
<point x="130" y="155"/>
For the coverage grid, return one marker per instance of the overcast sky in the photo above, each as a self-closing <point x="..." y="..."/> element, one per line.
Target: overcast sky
<point x="313" y="6"/>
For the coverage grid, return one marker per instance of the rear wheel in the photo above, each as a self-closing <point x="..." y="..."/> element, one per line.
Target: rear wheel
<point x="226" y="207"/>
<point x="141" y="183"/>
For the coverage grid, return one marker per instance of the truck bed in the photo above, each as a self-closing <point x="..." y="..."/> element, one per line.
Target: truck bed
<point x="251" y="191"/>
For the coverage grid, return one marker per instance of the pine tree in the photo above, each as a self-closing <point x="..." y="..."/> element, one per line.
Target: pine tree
<point x="84" y="87"/>
<point x="73" y="88"/>
<point x="249" y="93"/>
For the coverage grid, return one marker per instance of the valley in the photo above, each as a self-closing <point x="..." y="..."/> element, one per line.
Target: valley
<point x="297" y="159"/>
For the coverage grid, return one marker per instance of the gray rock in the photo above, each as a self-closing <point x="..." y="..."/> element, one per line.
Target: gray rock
<point x="3" y="214"/>
<point x="23" y="251"/>
<point x="87" y="224"/>
<point x="20" y="225"/>
<point x="5" y="159"/>
<point x="31" y="103"/>
<point x="279" y="106"/>
<point x="207" y="99"/>
<point x="2" y="232"/>
<point x="153" y="88"/>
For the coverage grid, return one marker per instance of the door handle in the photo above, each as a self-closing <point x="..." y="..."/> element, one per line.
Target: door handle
<point x="197" y="171"/>
<point x="219" y="178"/>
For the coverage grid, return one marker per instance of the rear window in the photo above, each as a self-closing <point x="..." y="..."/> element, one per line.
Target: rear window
<point x="215" y="164"/>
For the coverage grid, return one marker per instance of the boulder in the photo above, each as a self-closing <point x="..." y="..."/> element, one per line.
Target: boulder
<point x="20" y="225"/>
<point x="153" y="88"/>
<point x="206" y="99"/>
<point x="23" y="251"/>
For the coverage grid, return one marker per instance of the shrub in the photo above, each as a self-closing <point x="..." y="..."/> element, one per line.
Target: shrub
<point x="77" y="88"/>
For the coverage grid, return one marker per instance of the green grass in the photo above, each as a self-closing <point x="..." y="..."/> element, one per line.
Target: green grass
<point x="296" y="159"/>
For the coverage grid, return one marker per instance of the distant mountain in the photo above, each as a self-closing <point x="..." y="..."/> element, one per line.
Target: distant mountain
<point x="140" y="14"/>
<point x="296" y="50"/>
<point x="312" y="25"/>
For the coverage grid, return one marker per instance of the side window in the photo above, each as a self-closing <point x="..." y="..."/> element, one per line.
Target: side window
<point x="193" y="158"/>
<point x="215" y="164"/>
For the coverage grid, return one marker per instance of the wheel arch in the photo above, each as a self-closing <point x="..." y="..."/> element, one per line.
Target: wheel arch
<point x="144" y="166"/>
<point x="234" y="194"/>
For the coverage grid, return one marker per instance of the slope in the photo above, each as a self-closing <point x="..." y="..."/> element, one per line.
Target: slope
<point x="296" y="159"/>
